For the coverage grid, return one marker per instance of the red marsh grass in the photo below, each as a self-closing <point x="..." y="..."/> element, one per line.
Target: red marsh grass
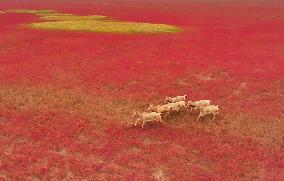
<point x="66" y="96"/>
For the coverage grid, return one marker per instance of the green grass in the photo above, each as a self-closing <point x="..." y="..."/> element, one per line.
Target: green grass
<point x="92" y="23"/>
<point x="69" y="17"/>
<point x="105" y="26"/>
<point x="28" y="11"/>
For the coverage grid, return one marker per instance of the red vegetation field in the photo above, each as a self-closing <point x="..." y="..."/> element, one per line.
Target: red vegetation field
<point x="66" y="97"/>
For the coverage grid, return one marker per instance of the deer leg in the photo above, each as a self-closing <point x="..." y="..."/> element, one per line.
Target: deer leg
<point x="166" y="114"/>
<point x="213" y="118"/>
<point x="136" y="122"/>
<point x="198" y="116"/>
<point x="160" y="120"/>
<point x="186" y="106"/>
<point x="143" y="124"/>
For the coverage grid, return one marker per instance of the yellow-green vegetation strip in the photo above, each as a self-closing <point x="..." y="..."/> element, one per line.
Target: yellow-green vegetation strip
<point x="28" y="11"/>
<point x="104" y="26"/>
<point x="92" y="23"/>
<point x="69" y="17"/>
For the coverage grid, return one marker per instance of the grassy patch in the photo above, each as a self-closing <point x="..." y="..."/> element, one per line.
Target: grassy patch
<point x="105" y="26"/>
<point x="28" y="11"/>
<point x="2" y="12"/>
<point x="93" y="23"/>
<point x="73" y="102"/>
<point x="69" y="17"/>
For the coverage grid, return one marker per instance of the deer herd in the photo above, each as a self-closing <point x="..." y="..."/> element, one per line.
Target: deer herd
<point x="175" y="104"/>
